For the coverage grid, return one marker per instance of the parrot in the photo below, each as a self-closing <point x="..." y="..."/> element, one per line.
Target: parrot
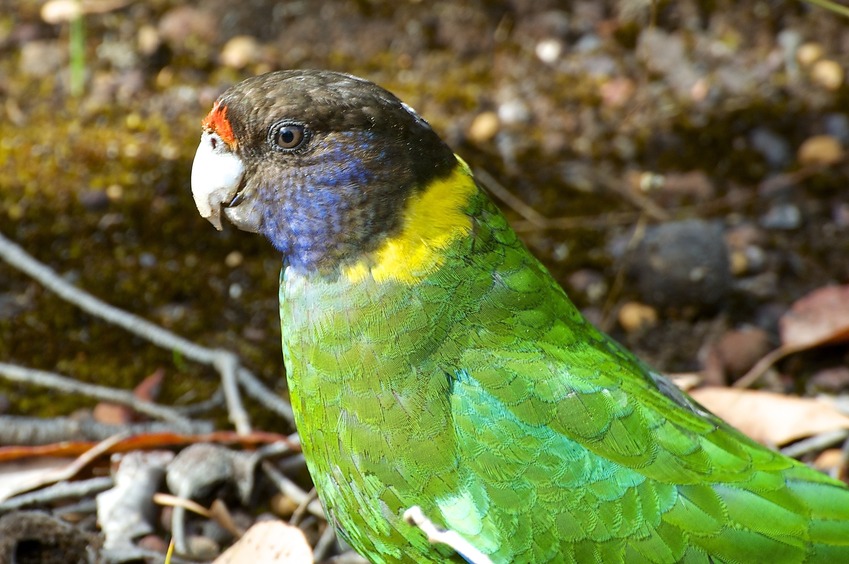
<point x="433" y="362"/>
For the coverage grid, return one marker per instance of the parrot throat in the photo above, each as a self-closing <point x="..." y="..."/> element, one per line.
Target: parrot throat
<point x="433" y="219"/>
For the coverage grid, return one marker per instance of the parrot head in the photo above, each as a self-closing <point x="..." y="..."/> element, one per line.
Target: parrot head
<point x="320" y="163"/>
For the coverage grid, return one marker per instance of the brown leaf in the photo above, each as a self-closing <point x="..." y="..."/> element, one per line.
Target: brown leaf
<point x="820" y="317"/>
<point x="770" y="418"/>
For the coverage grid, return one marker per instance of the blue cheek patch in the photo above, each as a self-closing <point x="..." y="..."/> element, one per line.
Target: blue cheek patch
<point x="316" y="208"/>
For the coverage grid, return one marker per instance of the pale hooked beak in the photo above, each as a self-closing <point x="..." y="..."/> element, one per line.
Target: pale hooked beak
<point x="216" y="177"/>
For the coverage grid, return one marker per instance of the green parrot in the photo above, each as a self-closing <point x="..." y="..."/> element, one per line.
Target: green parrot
<point x="433" y="362"/>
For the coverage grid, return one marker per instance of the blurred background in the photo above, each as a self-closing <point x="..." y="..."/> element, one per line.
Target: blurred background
<point x="679" y="166"/>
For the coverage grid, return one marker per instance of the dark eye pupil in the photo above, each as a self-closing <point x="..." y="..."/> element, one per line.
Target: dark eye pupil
<point x="290" y="136"/>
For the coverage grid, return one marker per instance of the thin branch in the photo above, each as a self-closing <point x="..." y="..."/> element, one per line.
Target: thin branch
<point x="815" y="443"/>
<point x="226" y="362"/>
<point x="36" y="431"/>
<point x="58" y="492"/>
<point x="514" y="202"/>
<point x="64" y="384"/>
<point x="291" y="490"/>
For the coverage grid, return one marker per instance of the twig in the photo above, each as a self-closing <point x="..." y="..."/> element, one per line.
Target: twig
<point x="54" y="381"/>
<point x="260" y="392"/>
<point x="36" y="431"/>
<point x="415" y="516"/>
<point x="815" y="443"/>
<point x="291" y="490"/>
<point x="766" y="362"/>
<point x="225" y="361"/>
<point x="303" y="507"/>
<point x="500" y="192"/>
<point x="70" y="470"/>
<point x="58" y="492"/>
<point x="325" y="543"/>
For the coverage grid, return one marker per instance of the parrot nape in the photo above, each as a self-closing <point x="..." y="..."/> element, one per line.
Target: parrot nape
<point x="432" y="361"/>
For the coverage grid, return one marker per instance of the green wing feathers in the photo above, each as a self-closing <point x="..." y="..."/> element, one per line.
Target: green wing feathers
<point x="514" y="422"/>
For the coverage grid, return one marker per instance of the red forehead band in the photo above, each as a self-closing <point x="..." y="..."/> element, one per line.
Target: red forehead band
<point x="216" y="120"/>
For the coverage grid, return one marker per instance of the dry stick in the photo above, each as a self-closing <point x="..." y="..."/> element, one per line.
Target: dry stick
<point x="291" y="490"/>
<point x="503" y="194"/>
<point x="226" y="362"/>
<point x="54" y="381"/>
<point x="58" y="492"/>
<point x="67" y="472"/>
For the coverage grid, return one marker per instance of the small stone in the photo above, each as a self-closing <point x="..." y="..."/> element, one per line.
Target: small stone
<point x="202" y="548"/>
<point x="40" y="59"/>
<point x="484" y="127"/>
<point x="183" y="22"/>
<point x="549" y="50"/>
<point x="589" y="283"/>
<point x="821" y="150"/>
<point x="828" y="74"/>
<point x="240" y="51"/>
<point x="634" y="316"/>
<point x="683" y="266"/>
<point x="234" y="259"/>
<point x="617" y="91"/>
<point x="514" y="112"/>
<point x="93" y="200"/>
<point x="750" y="259"/>
<point x="809" y="53"/>
<point x="114" y="192"/>
<point x="283" y="505"/>
<point x="782" y="217"/>
<point x="154" y="543"/>
<point x="148" y="40"/>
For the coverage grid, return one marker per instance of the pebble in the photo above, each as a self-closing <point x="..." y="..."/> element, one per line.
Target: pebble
<point x="634" y="316"/>
<point x="549" y="50"/>
<point x="240" y="51"/>
<point x="782" y="217"/>
<point x="40" y="59"/>
<point x="484" y="127"/>
<point x="772" y="147"/>
<point x="683" y="266"/>
<point x="590" y="283"/>
<point x="202" y="548"/>
<point x="820" y="150"/>
<point x="183" y="22"/>
<point x="828" y="74"/>
<point x="809" y="53"/>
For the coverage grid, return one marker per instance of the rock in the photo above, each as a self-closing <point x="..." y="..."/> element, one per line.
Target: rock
<point x="683" y="266"/>
<point x="240" y="51"/>
<point x="41" y="58"/>
<point x="820" y="150"/>
<point x="484" y="127"/>
<point x="809" y="53"/>
<point x="634" y="316"/>
<point x="782" y="217"/>
<point x="828" y="74"/>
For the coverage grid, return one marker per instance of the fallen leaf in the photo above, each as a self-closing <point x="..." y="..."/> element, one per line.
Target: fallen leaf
<point x="819" y="318"/>
<point x="770" y="418"/>
<point x="269" y="541"/>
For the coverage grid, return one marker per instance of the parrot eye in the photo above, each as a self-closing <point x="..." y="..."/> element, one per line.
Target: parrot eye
<point x="287" y="136"/>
